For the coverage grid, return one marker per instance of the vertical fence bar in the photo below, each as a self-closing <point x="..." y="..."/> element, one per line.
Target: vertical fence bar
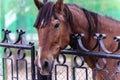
<point x="3" y="68"/>
<point x="17" y="71"/>
<point x="73" y="73"/>
<point x="32" y="62"/>
<point x="11" y="68"/>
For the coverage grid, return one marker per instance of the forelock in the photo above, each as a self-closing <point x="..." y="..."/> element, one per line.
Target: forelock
<point x="44" y="15"/>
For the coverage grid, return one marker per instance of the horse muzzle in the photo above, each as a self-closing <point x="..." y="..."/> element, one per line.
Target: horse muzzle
<point x="45" y="66"/>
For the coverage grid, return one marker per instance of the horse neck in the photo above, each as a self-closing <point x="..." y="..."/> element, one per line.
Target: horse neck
<point x="105" y="25"/>
<point x="108" y="25"/>
<point x="79" y="20"/>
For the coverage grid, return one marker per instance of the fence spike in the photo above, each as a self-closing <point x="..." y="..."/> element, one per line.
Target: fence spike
<point x="6" y="38"/>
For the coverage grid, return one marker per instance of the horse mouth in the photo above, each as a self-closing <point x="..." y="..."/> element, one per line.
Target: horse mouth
<point x="46" y="71"/>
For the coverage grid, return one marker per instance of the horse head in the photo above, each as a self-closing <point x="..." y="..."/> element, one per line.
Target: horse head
<point x="53" y="28"/>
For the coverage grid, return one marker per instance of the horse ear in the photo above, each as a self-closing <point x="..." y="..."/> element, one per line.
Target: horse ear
<point x="38" y="4"/>
<point x="59" y="6"/>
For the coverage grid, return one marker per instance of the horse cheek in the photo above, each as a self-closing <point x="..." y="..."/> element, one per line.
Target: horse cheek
<point x="64" y="42"/>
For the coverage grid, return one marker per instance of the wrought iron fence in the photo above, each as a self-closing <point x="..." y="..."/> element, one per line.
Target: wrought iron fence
<point x="15" y="63"/>
<point x="19" y="56"/>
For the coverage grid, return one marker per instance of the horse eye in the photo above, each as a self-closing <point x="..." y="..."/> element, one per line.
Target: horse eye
<point x="56" y="25"/>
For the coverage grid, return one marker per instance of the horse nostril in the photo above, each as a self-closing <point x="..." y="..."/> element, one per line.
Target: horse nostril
<point x="46" y="64"/>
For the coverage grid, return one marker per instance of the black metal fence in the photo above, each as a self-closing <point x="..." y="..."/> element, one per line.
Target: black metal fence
<point x="78" y="69"/>
<point x="19" y="56"/>
<point x="15" y="63"/>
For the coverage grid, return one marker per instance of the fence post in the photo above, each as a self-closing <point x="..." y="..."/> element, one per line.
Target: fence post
<point x="32" y="61"/>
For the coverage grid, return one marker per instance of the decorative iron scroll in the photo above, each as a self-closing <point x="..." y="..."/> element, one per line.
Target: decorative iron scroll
<point x="99" y="42"/>
<point x="102" y="54"/>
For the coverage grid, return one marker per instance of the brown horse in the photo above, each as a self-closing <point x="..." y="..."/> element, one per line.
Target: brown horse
<point x="55" y="24"/>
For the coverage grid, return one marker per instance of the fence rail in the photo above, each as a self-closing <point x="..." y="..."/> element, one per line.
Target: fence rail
<point x="96" y="54"/>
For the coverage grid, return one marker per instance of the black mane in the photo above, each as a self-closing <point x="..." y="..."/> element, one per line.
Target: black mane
<point x="45" y="13"/>
<point x="92" y="19"/>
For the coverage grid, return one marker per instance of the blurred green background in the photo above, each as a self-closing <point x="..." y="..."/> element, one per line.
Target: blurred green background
<point x="21" y="14"/>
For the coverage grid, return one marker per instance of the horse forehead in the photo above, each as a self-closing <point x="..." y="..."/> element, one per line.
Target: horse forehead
<point x="60" y="17"/>
<point x="43" y="30"/>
